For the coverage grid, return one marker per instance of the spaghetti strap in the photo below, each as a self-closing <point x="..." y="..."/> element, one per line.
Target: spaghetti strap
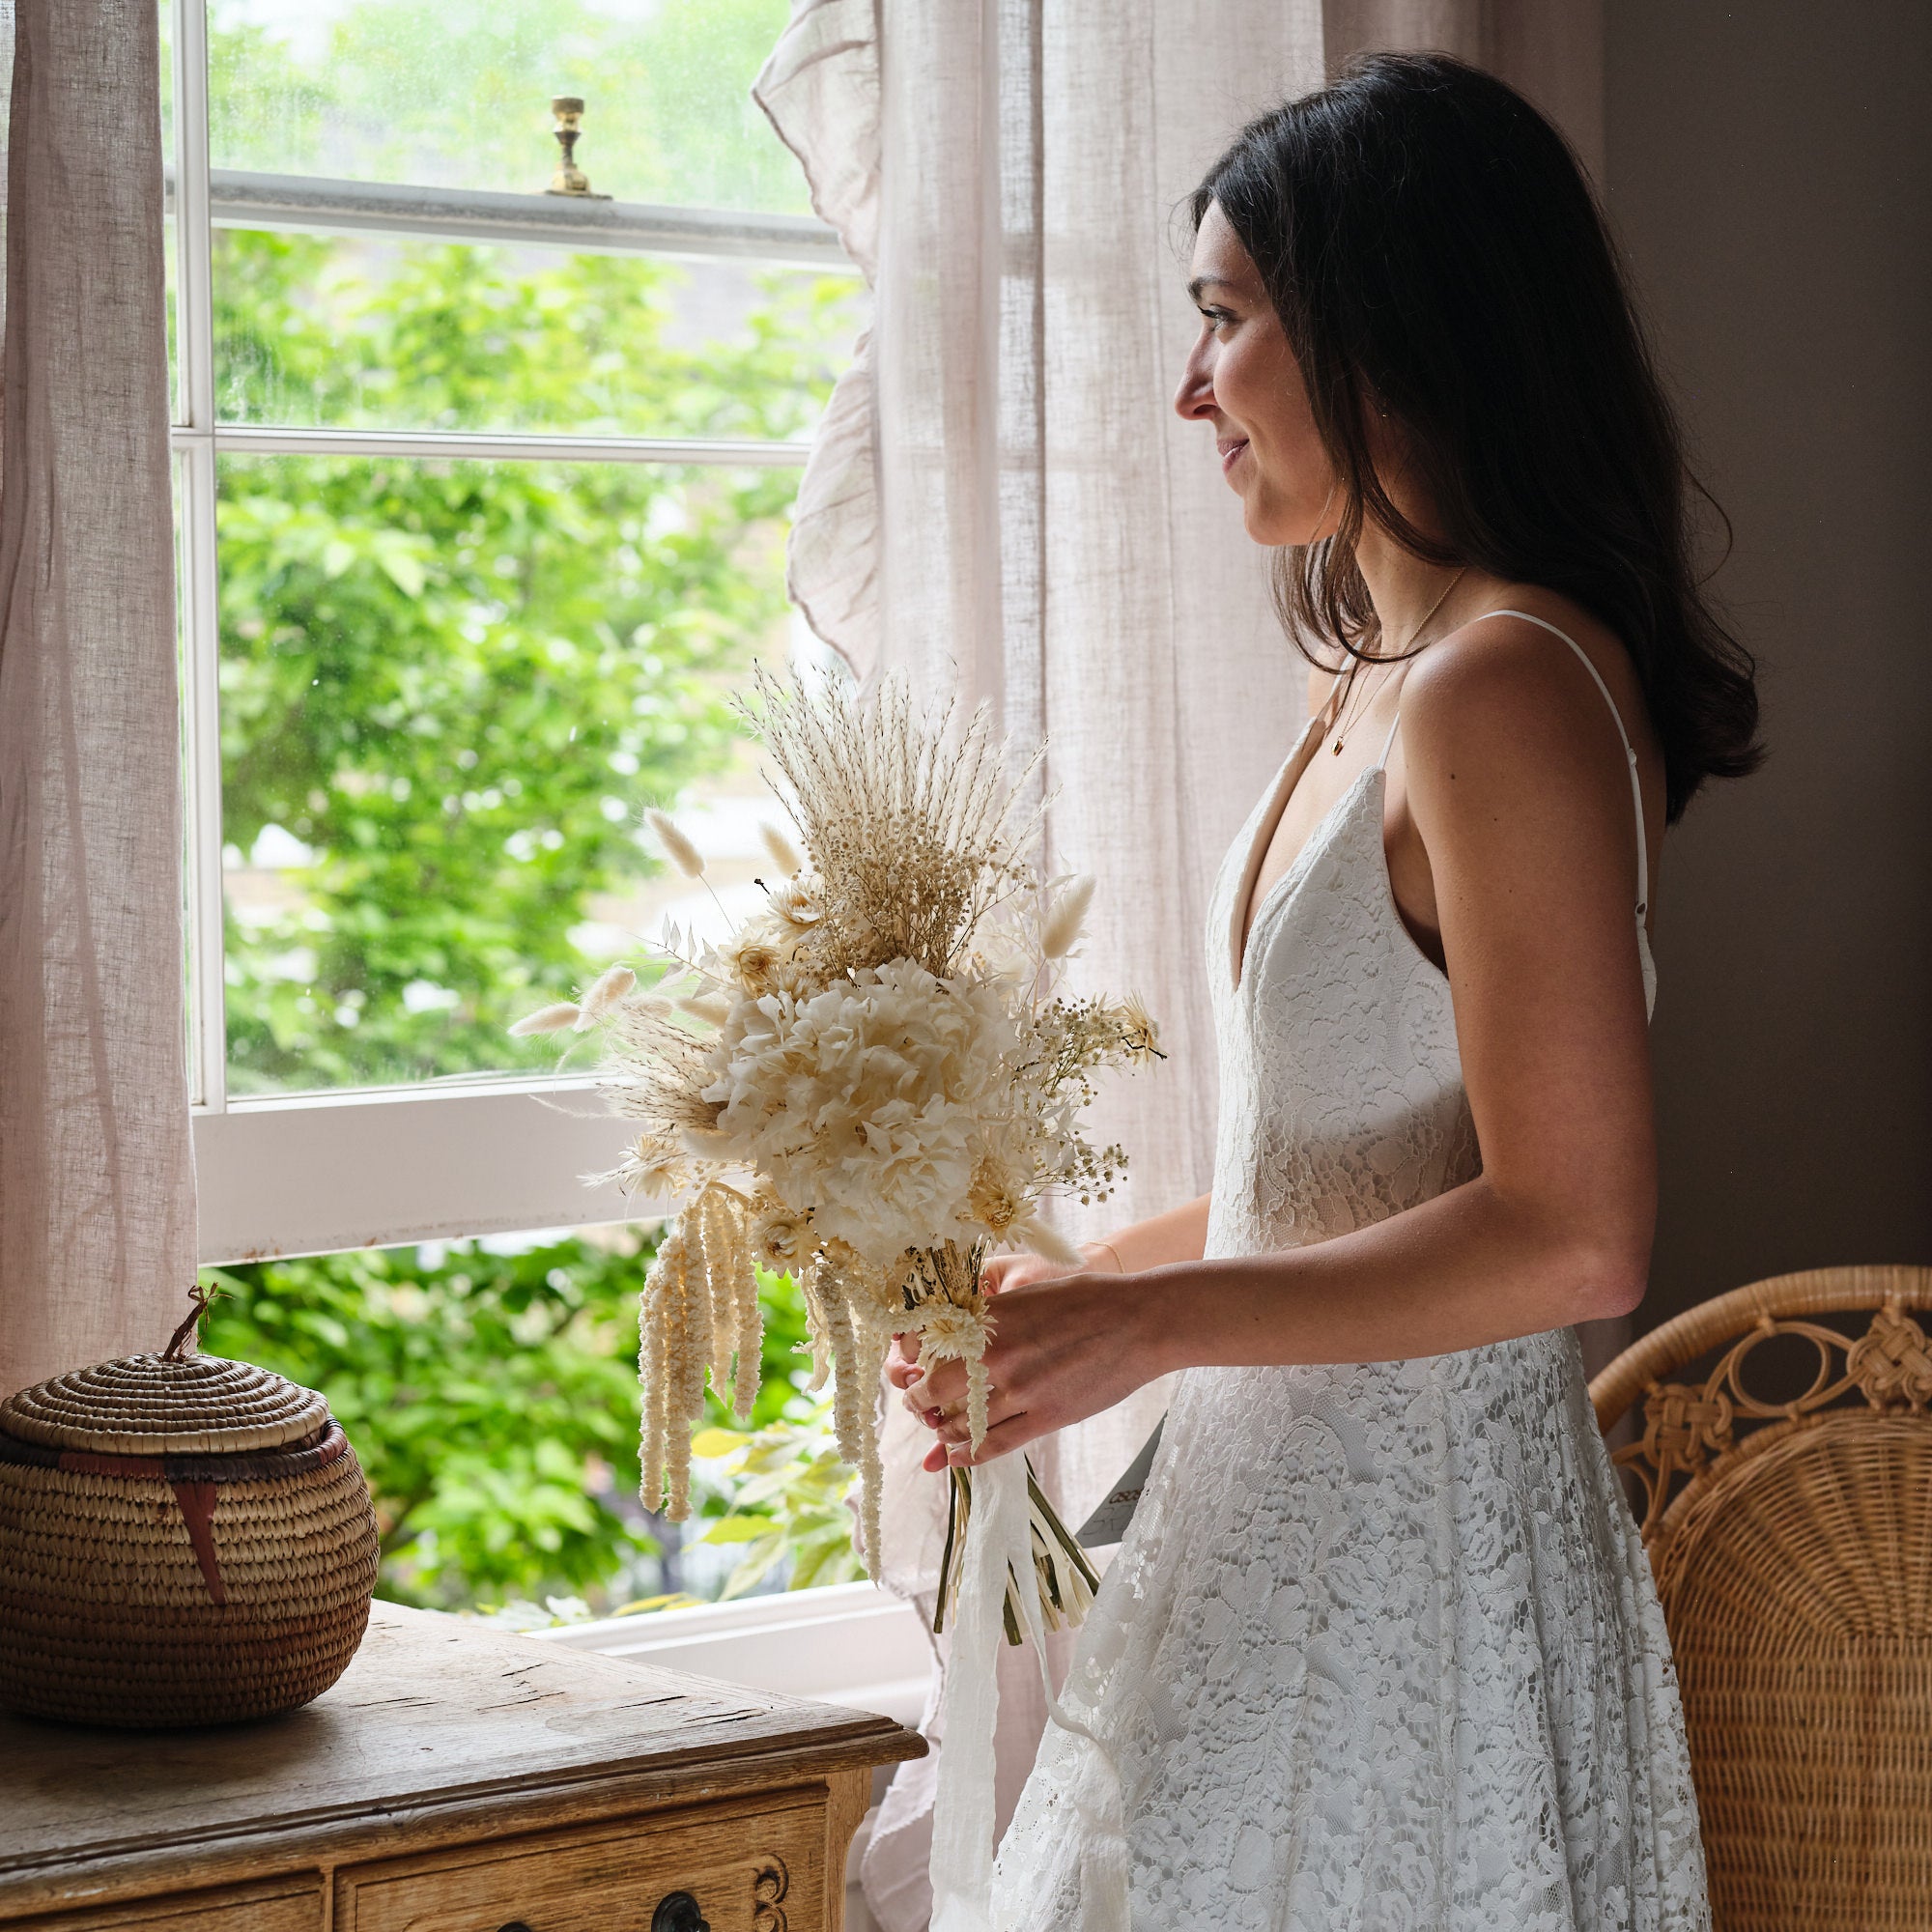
<point x="1630" y="757"/>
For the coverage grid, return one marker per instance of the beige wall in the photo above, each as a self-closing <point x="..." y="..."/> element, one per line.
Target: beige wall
<point x="1770" y="173"/>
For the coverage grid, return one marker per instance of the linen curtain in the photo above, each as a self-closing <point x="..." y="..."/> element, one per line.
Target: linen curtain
<point x="1001" y="503"/>
<point x="96" y="1190"/>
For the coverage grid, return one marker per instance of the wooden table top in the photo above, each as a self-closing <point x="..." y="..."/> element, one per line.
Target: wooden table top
<point x="436" y="1720"/>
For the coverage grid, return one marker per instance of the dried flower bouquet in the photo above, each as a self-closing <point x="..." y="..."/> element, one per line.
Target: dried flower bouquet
<point x="870" y="1085"/>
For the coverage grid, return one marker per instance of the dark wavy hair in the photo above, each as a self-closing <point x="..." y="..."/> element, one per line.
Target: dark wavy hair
<point x="1435" y="253"/>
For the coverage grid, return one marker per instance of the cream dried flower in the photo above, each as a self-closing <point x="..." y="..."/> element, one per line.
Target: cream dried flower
<point x="799" y="902"/>
<point x="863" y="1099"/>
<point x="758" y="958"/>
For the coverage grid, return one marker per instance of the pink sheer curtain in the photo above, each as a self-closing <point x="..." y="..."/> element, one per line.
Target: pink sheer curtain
<point x="97" y="1189"/>
<point x="1001" y="501"/>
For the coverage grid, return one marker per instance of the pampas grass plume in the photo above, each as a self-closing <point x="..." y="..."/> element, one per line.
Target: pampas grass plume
<point x="679" y="849"/>
<point x="783" y="855"/>
<point x="1067" y="916"/>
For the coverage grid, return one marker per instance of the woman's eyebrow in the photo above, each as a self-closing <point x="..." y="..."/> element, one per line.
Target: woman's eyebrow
<point x="1201" y="283"/>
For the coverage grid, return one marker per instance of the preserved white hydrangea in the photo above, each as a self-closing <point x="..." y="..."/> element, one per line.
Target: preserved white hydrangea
<point x="865" y="1101"/>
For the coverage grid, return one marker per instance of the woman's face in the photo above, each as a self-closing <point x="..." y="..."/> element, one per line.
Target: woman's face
<point x="1242" y="376"/>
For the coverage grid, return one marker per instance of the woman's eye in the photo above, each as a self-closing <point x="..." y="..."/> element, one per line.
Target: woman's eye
<point x="1215" y="318"/>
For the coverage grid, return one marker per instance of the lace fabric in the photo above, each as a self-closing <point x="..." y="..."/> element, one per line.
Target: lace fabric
<point x="1380" y="1649"/>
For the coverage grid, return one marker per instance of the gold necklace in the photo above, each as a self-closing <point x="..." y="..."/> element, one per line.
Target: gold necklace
<point x="1347" y="693"/>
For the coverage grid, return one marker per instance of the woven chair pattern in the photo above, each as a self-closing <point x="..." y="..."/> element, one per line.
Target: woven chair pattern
<point x="1790" y="1535"/>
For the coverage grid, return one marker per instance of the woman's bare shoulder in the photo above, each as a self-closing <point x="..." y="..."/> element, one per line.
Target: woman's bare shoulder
<point x="1504" y="675"/>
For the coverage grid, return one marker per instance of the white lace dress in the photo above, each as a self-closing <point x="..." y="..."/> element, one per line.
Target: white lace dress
<point x="1381" y="1650"/>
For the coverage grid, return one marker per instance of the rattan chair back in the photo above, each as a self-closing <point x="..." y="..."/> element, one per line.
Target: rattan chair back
<point x="1790" y="1530"/>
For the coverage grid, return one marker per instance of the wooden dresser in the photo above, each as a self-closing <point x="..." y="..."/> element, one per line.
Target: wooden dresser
<point x="458" y="1778"/>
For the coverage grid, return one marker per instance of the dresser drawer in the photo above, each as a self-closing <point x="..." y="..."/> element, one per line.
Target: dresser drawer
<point x="752" y="1865"/>
<point x="293" y="1906"/>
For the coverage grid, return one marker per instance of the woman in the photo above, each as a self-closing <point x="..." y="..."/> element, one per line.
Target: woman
<point x="1381" y="1647"/>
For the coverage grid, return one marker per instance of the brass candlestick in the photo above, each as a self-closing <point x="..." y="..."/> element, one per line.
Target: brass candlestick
<point x="569" y="178"/>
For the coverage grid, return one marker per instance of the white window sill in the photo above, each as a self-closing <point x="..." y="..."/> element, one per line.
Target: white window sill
<point x="847" y="1643"/>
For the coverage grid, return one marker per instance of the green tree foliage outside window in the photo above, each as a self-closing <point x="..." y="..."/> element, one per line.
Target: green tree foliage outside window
<point x="493" y="1400"/>
<point x="452" y="683"/>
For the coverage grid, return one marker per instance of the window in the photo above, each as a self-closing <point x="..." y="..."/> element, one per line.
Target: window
<point x="482" y="495"/>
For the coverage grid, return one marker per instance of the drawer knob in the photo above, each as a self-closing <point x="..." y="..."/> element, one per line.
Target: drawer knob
<point x="677" y="1911"/>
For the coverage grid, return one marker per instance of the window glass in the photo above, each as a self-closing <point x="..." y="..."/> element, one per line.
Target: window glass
<point x="457" y="93"/>
<point x="367" y="332"/>
<point x="447" y="689"/>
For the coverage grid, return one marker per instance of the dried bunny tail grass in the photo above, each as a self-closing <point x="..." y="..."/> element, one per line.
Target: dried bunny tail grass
<point x="1037" y="1237"/>
<point x="780" y="849"/>
<point x="713" y="1009"/>
<point x="603" y="993"/>
<point x="678" y="849"/>
<point x="546" y="1019"/>
<point x="910" y="823"/>
<point x="1067" y="918"/>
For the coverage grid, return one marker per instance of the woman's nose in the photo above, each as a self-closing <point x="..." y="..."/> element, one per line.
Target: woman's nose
<point x="1195" y="397"/>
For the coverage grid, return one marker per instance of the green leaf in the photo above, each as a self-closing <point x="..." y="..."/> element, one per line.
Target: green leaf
<point x="737" y="1529"/>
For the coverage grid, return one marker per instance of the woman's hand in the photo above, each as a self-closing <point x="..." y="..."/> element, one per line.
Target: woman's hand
<point x="1063" y="1347"/>
<point x="1002" y="1271"/>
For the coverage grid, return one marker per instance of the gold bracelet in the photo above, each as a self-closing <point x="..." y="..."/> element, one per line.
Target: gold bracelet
<point x="1119" y="1266"/>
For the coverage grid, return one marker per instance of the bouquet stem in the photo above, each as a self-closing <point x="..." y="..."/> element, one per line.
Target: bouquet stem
<point x="1063" y="1575"/>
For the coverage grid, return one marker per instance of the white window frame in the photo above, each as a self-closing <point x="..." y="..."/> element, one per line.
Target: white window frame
<point x="319" y="1171"/>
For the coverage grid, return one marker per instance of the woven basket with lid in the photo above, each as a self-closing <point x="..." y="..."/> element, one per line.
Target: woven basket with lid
<point x="183" y="1540"/>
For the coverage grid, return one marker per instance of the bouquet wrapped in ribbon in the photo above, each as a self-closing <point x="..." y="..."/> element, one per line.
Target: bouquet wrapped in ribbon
<point x="871" y="1085"/>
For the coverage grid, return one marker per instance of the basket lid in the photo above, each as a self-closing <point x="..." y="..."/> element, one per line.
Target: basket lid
<point x="165" y="1404"/>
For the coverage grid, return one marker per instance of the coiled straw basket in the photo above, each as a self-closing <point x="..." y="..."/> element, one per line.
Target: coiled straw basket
<point x="182" y="1541"/>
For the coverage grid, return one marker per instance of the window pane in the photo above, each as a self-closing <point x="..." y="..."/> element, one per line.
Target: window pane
<point x="457" y="93"/>
<point x="368" y="333"/>
<point x="447" y="689"/>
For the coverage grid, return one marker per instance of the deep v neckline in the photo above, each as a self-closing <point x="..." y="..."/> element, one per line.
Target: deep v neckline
<point x="1281" y="793"/>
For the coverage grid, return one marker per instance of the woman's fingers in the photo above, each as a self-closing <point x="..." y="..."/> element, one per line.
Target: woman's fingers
<point x="902" y="1364"/>
<point x="1012" y="1433"/>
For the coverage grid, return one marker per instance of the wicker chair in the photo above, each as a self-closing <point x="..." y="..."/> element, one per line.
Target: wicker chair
<point x="1791" y="1534"/>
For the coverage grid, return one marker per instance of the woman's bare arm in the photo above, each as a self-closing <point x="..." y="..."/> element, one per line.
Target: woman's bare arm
<point x="1180" y="1234"/>
<point x="1520" y="790"/>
